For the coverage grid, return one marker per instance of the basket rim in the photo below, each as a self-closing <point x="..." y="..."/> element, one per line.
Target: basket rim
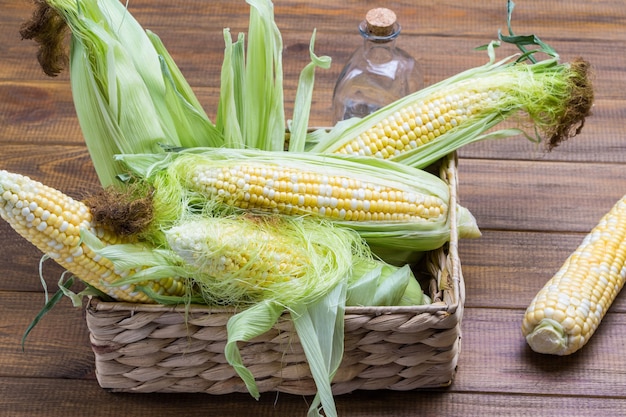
<point x="448" y="172"/>
<point x="96" y="304"/>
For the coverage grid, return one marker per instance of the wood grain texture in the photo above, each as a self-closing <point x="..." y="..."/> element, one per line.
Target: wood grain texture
<point x="74" y="397"/>
<point x="533" y="207"/>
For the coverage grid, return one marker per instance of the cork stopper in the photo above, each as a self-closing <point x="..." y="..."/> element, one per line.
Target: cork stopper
<point x="380" y="22"/>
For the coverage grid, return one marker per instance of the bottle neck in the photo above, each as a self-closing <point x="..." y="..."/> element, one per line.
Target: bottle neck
<point x="379" y="49"/>
<point x="388" y="39"/>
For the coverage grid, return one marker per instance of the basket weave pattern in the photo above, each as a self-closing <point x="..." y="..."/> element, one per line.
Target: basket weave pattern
<point x="155" y="348"/>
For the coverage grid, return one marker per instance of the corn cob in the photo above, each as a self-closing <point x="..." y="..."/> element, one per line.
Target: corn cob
<point x="243" y="259"/>
<point x="421" y="122"/>
<point x="52" y="221"/>
<point x="294" y="191"/>
<point x="223" y="247"/>
<point x="567" y="311"/>
<point x="389" y="204"/>
<point x="424" y="126"/>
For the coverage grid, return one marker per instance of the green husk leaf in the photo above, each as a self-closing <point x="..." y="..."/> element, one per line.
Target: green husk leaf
<point x="107" y="86"/>
<point x="49" y="305"/>
<point x="522" y="41"/>
<point x="238" y="59"/>
<point x="181" y="85"/>
<point x="383" y="285"/>
<point x="103" y="135"/>
<point x="64" y="290"/>
<point x="76" y="298"/>
<point x="128" y="93"/>
<point x="230" y="113"/>
<point x="192" y="125"/>
<point x="42" y="280"/>
<point x="125" y="256"/>
<point x="264" y="124"/>
<point x="244" y="326"/>
<point x="320" y="328"/>
<point x="304" y="95"/>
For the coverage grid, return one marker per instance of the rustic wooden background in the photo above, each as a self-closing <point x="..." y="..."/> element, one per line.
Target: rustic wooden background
<point x="533" y="208"/>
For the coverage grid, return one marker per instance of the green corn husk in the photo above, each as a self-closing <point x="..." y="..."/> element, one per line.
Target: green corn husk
<point x="251" y="107"/>
<point x="264" y="114"/>
<point x="302" y="106"/>
<point x="251" y="110"/>
<point x="173" y="177"/>
<point x="129" y="95"/>
<point x="544" y="93"/>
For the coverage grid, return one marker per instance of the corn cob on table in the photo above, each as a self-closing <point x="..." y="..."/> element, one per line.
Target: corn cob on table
<point x="533" y="208"/>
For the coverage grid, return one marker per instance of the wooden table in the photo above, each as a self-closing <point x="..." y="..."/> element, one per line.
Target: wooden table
<point x="533" y="208"/>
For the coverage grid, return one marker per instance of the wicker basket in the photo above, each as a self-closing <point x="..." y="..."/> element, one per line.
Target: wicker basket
<point x="155" y="348"/>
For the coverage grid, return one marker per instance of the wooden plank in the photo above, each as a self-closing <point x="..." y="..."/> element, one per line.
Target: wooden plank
<point x="502" y="263"/>
<point x="25" y="397"/>
<point x="495" y="358"/>
<point x="202" y="69"/>
<point x="601" y="140"/>
<point x="539" y="196"/>
<point x="58" y="347"/>
<point x="20" y="270"/>
<point x="66" y="168"/>
<point x="595" y="19"/>
<point x="494" y="355"/>
<point x="197" y="43"/>
<point x="40" y="112"/>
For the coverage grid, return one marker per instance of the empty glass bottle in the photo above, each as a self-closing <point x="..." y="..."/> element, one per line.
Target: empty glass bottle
<point x="378" y="72"/>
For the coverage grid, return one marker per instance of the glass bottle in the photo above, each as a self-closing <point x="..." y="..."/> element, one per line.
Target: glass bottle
<point x="378" y="72"/>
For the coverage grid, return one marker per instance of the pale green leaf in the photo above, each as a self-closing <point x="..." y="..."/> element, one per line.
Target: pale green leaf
<point x="264" y="126"/>
<point x="187" y="117"/>
<point x="243" y="327"/>
<point x="230" y="114"/>
<point x="304" y="95"/>
<point x="320" y="328"/>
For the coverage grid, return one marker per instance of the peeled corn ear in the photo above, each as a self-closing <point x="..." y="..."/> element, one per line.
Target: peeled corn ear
<point x="52" y="221"/>
<point x="567" y="311"/>
<point x="240" y="260"/>
<point x="424" y="126"/>
<point x="388" y="204"/>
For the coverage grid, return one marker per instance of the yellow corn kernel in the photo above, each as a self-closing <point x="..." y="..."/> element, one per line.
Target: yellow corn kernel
<point x="52" y="221"/>
<point x="420" y="122"/>
<point x="239" y="250"/>
<point x="311" y="192"/>
<point x="567" y="311"/>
